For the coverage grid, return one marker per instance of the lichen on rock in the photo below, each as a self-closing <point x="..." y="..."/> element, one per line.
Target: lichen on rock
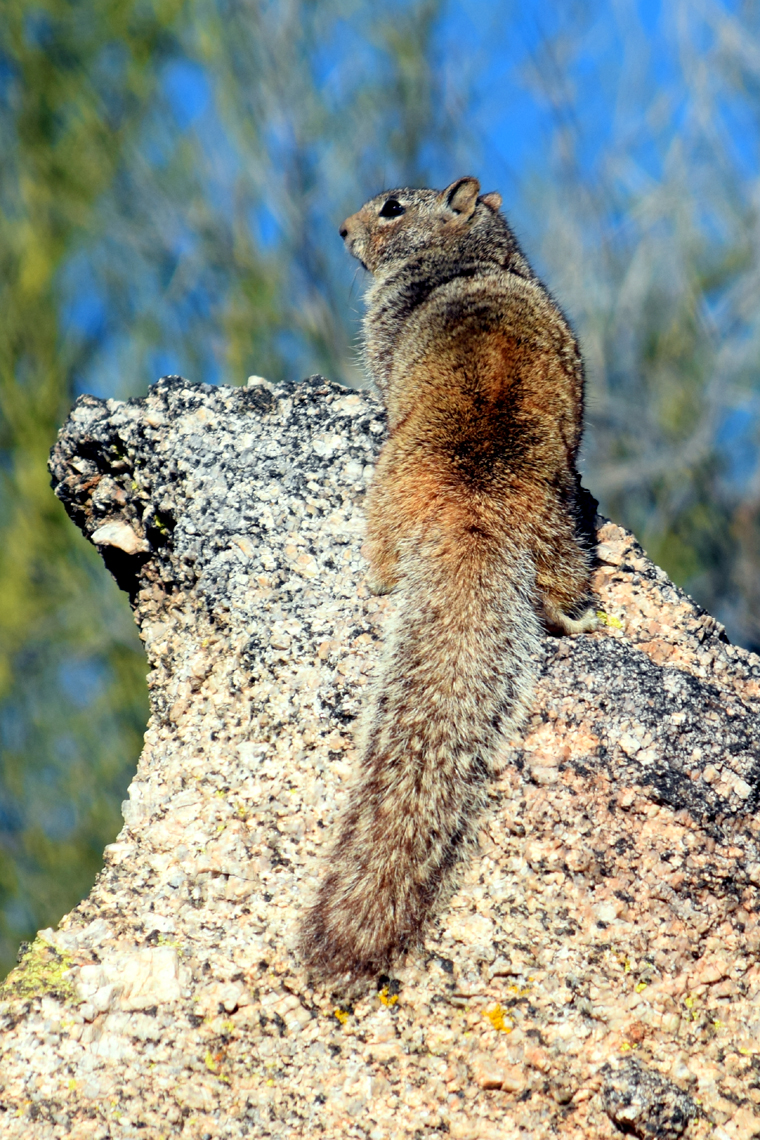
<point x="42" y="970"/>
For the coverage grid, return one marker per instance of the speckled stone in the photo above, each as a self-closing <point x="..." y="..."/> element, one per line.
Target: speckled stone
<point x="610" y="915"/>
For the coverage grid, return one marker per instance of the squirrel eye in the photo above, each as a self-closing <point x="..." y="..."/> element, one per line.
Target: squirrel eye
<point x="392" y="208"/>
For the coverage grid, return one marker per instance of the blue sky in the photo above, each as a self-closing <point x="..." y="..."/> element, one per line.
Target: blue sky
<point x="627" y="62"/>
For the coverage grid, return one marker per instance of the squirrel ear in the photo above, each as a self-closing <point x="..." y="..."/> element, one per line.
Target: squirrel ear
<point x="492" y="200"/>
<point x="461" y="196"/>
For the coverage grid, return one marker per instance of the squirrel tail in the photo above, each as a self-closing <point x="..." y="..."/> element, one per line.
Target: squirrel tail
<point x="458" y="672"/>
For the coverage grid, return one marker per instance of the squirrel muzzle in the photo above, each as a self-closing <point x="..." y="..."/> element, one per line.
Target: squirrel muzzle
<point x="355" y="236"/>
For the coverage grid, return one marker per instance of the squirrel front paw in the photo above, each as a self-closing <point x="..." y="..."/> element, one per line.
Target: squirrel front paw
<point x="586" y="623"/>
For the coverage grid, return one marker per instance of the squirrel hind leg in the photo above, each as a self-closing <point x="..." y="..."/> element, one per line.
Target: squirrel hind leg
<point x="382" y="576"/>
<point x="376" y="585"/>
<point x="559" y="620"/>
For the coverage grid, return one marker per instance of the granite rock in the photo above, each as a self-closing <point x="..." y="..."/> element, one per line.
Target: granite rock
<point x="597" y="965"/>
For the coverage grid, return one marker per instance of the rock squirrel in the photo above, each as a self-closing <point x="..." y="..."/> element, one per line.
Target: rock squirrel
<point x="475" y="514"/>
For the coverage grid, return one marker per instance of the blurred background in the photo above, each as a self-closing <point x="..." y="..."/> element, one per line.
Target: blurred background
<point x="173" y="174"/>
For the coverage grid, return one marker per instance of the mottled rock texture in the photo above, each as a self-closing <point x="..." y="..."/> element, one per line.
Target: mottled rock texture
<point x="596" y="971"/>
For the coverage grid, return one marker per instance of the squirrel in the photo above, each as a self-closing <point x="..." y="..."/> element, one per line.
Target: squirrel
<point x="476" y="515"/>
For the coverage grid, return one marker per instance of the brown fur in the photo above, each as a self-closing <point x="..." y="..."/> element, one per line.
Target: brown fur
<point x="473" y="514"/>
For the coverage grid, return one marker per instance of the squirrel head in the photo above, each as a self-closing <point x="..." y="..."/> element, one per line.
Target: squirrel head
<point x="397" y="224"/>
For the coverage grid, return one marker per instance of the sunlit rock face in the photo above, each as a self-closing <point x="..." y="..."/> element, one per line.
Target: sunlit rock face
<point x="596" y="968"/>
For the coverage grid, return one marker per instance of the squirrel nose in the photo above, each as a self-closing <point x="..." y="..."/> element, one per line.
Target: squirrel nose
<point x="343" y="231"/>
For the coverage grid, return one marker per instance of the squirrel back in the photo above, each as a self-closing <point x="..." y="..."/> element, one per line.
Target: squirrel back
<point x="475" y="516"/>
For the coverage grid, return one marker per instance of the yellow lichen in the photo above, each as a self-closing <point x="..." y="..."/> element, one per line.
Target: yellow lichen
<point x="42" y="970"/>
<point x="519" y="991"/>
<point x="212" y="1062"/>
<point x="608" y="619"/>
<point x="498" y="1019"/>
<point x="340" y="1015"/>
<point x="386" y="997"/>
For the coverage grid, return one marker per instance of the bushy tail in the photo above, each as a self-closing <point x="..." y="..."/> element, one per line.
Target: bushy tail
<point x="458" y="670"/>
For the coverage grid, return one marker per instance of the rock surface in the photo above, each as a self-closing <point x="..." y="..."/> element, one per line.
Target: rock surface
<point x="596" y="971"/>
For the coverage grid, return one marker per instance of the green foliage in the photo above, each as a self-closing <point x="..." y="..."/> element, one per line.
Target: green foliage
<point x="134" y="239"/>
<point x="651" y="241"/>
<point x="64" y="120"/>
